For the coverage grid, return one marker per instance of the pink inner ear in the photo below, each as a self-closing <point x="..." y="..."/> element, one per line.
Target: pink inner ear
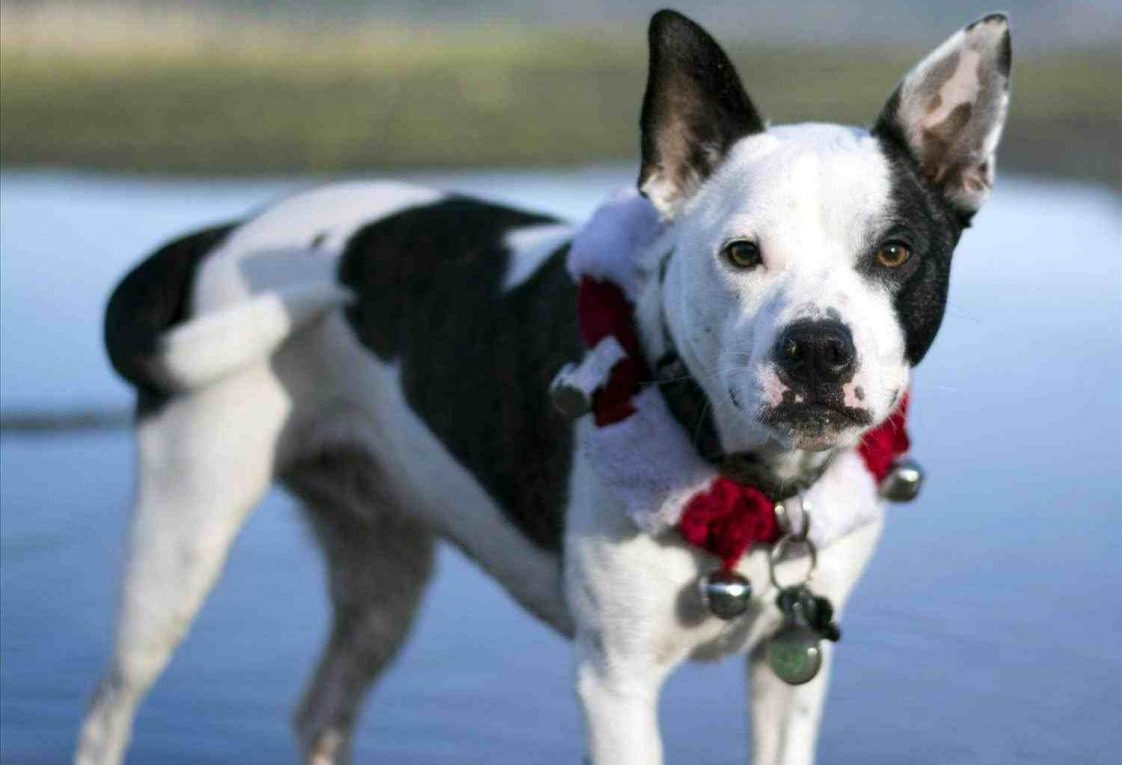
<point x="978" y="179"/>
<point x="951" y="109"/>
<point x="938" y="144"/>
<point x="962" y="87"/>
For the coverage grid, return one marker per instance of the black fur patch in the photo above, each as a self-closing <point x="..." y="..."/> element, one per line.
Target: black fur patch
<point x="476" y="361"/>
<point x="694" y="108"/>
<point x="150" y="299"/>
<point x="923" y="218"/>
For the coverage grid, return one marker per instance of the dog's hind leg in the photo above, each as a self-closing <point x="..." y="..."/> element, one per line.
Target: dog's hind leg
<point x="378" y="561"/>
<point x="204" y="463"/>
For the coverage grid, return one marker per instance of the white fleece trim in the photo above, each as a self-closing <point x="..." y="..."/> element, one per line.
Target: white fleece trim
<point x="647" y="462"/>
<point x="594" y="370"/>
<point x="606" y="247"/>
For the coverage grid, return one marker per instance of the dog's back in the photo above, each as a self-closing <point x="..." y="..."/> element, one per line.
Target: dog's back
<point x="475" y="348"/>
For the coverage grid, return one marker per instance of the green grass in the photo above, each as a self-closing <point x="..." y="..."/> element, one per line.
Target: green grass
<point x="276" y="100"/>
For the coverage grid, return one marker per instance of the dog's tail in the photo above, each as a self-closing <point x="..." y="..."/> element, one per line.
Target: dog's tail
<point x="155" y="345"/>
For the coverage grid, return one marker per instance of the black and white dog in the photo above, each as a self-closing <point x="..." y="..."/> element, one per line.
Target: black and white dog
<point x="385" y="352"/>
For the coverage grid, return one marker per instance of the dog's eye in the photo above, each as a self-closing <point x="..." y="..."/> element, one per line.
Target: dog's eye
<point x="893" y="254"/>
<point x="742" y="254"/>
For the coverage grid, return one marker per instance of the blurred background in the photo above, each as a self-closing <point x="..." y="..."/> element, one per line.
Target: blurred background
<point x="251" y="86"/>
<point x="985" y="630"/>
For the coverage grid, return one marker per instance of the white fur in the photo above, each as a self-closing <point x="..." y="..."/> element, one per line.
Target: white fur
<point x="298" y="238"/>
<point x="270" y="278"/>
<point x="212" y="346"/>
<point x="605" y="248"/>
<point x="594" y="369"/>
<point x="646" y="462"/>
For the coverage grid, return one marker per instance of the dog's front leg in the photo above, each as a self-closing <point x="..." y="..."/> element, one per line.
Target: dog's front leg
<point x="785" y="718"/>
<point x="619" y="698"/>
<point x="622" y="590"/>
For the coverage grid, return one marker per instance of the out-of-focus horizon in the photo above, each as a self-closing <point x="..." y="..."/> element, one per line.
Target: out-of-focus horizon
<point x="1042" y="27"/>
<point x="341" y="86"/>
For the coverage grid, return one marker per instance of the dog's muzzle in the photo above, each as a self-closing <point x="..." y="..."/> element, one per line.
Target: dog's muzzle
<point x="814" y="359"/>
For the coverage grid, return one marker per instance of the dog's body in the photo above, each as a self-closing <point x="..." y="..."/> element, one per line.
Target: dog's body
<point x="385" y="352"/>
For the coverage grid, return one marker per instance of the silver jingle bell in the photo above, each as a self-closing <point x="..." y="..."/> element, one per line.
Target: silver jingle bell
<point x="795" y="653"/>
<point x="903" y="482"/>
<point x="726" y="594"/>
<point x="569" y="399"/>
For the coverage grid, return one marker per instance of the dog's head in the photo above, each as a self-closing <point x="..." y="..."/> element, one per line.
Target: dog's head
<point x="810" y="263"/>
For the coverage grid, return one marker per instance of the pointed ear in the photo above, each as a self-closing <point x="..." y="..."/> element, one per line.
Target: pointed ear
<point x="694" y="110"/>
<point x="949" y="111"/>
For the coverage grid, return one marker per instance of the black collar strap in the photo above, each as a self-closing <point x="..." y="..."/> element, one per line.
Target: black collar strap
<point x="691" y="408"/>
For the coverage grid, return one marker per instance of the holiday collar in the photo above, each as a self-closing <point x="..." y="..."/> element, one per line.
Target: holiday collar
<point x="637" y="442"/>
<point x="728" y="515"/>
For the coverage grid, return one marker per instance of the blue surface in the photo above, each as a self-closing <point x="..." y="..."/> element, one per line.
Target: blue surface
<point x="985" y="632"/>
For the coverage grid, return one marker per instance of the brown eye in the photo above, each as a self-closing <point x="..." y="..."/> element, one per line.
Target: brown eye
<point x="893" y="254"/>
<point x="742" y="254"/>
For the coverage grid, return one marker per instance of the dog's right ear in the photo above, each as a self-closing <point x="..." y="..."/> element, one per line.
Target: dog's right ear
<point x="694" y="110"/>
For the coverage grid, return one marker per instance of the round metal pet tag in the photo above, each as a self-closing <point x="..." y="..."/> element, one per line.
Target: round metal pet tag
<point x="795" y="653"/>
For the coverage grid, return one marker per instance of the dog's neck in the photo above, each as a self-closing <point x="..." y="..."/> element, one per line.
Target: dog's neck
<point x="715" y="428"/>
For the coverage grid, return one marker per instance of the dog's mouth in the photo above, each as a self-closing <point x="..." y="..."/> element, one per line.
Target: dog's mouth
<point x="812" y="425"/>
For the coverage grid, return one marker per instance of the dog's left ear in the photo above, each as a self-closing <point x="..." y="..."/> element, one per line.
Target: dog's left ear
<point x="694" y="110"/>
<point x="949" y="111"/>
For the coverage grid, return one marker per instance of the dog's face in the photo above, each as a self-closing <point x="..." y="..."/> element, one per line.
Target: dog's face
<point x="811" y="263"/>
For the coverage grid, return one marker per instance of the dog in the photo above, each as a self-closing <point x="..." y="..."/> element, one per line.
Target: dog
<point x="385" y="352"/>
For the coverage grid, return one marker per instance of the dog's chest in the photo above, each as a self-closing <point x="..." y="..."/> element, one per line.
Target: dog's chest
<point x="477" y="335"/>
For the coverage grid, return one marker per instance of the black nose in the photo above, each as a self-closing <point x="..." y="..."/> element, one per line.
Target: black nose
<point x="816" y="352"/>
